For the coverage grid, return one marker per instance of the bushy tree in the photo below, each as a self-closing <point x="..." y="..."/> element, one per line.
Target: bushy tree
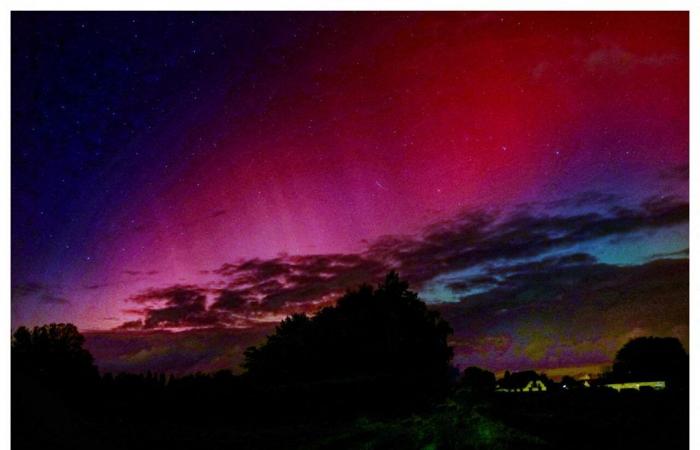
<point x="570" y="383"/>
<point x="52" y="354"/>
<point x="370" y="334"/>
<point x="652" y="358"/>
<point x="477" y="381"/>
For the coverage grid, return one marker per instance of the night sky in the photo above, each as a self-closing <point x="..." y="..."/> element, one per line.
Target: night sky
<point x="182" y="181"/>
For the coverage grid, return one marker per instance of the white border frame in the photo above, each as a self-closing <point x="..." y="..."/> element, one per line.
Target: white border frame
<point x="310" y="5"/>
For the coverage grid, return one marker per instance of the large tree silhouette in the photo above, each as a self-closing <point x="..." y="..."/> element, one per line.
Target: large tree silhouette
<point x="385" y="333"/>
<point x="53" y="355"/>
<point x="652" y="358"/>
<point x="477" y="381"/>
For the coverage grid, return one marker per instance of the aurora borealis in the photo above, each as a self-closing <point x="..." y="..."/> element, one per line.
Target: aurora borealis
<point x="182" y="181"/>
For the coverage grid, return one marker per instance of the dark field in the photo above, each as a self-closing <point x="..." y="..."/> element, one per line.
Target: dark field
<point x="588" y="419"/>
<point x="373" y="372"/>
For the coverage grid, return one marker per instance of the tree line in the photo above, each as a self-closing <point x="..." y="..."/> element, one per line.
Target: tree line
<point x="378" y="352"/>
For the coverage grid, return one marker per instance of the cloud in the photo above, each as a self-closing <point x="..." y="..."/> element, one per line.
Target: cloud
<point x="93" y="287"/>
<point x="131" y="325"/>
<point x="25" y="290"/>
<point x="293" y="281"/>
<point x="618" y="60"/>
<point x="50" y="298"/>
<point x="679" y="173"/>
<point x="254" y="290"/>
<point x="174" y="307"/>
<point x="135" y="273"/>
<point x="539" y="70"/>
<point x="567" y="311"/>
<point x="480" y="237"/>
<point x="585" y="198"/>
<point x="530" y="299"/>
<point x="43" y="293"/>
<point x="472" y="283"/>
<point x="197" y="350"/>
<point x="259" y="290"/>
<point x="677" y="254"/>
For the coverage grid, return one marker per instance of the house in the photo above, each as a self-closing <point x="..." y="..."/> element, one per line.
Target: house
<point x="527" y="381"/>
<point x="535" y="386"/>
<point x="637" y="385"/>
<point x="585" y="380"/>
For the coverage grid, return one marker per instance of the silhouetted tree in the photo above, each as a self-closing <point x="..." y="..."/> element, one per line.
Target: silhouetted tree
<point x="477" y="381"/>
<point x="652" y="358"/>
<point x="53" y="378"/>
<point x="548" y="382"/>
<point x="286" y="353"/>
<point x="371" y="334"/>
<point x="570" y="383"/>
<point x="53" y="355"/>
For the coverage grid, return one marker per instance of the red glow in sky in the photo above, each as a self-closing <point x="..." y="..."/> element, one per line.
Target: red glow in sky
<point x="308" y="134"/>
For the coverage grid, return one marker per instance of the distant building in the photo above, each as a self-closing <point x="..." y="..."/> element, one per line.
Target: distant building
<point x="585" y="380"/>
<point x="527" y="381"/>
<point x="531" y="386"/>
<point x="637" y="385"/>
<point x="535" y="386"/>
